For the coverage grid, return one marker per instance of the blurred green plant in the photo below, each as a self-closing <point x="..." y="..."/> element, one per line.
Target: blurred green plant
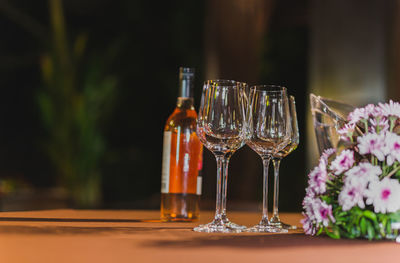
<point x="73" y="102"/>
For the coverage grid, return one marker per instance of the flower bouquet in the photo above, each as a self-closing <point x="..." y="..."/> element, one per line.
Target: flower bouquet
<point x="354" y="191"/>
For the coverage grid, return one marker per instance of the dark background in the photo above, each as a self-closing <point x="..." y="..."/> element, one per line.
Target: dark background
<point x="142" y="44"/>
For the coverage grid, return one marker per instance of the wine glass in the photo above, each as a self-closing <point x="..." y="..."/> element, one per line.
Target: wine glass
<point x="276" y="160"/>
<point x="267" y="132"/>
<point x="221" y="128"/>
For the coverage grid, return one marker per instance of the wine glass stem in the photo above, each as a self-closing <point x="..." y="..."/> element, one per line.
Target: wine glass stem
<point x="276" y="162"/>
<point x="265" y="188"/>
<point x="222" y="177"/>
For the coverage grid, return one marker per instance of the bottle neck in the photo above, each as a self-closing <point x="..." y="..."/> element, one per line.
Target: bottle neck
<point x="185" y="103"/>
<point x="186" y="84"/>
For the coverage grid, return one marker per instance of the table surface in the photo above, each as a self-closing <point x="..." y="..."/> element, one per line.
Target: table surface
<point x="138" y="236"/>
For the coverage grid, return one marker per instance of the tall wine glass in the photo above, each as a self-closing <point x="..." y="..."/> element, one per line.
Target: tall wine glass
<point x="267" y="132"/>
<point x="276" y="160"/>
<point x="221" y="128"/>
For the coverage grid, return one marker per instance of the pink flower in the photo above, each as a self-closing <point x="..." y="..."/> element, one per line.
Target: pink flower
<point x="308" y="225"/>
<point x="373" y="111"/>
<point x="364" y="113"/>
<point x="390" y="109"/>
<point x="384" y="195"/>
<point x="392" y="147"/>
<point x="357" y="115"/>
<point x="323" y="213"/>
<point x="346" y="131"/>
<point x="318" y="177"/>
<point x="343" y="162"/>
<point x="318" y="211"/>
<point x="381" y="124"/>
<point x="326" y="154"/>
<point x="310" y="192"/>
<point x="309" y="202"/>
<point x="372" y="143"/>
<point x="351" y="195"/>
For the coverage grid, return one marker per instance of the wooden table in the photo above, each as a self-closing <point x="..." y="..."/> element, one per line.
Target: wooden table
<point x="138" y="236"/>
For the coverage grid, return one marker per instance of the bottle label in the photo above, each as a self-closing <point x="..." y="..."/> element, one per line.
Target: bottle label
<point x="166" y="162"/>
<point x="199" y="169"/>
<point x="199" y="182"/>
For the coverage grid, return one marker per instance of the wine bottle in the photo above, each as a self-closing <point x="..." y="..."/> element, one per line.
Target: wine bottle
<point x="182" y="157"/>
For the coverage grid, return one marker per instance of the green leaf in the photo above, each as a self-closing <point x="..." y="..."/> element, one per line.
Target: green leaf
<point x="384" y="221"/>
<point x="334" y="233"/>
<point x="363" y="226"/>
<point x="389" y="228"/>
<point x="355" y="231"/>
<point x="370" y="230"/>
<point x="395" y="217"/>
<point x="341" y="214"/>
<point x="370" y="215"/>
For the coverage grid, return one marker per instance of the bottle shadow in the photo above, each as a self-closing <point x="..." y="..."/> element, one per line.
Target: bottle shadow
<point x="79" y="220"/>
<point x="79" y="230"/>
<point x="110" y="226"/>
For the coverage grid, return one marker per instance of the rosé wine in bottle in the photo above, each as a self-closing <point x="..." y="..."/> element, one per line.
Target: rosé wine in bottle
<point x="182" y="157"/>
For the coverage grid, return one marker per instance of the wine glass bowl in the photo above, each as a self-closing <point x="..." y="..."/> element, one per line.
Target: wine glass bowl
<point x="220" y="125"/>
<point x="267" y="121"/>
<point x="220" y="144"/>
<point x="221" y="129"/>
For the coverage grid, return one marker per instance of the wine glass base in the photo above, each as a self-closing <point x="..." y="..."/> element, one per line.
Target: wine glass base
<point x="220" y="226"/>
<point x="276" y="222"/>
<point x="282" y="225"/>
<point x="262" y="228"/>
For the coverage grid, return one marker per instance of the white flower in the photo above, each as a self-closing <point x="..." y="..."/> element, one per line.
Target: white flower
<point x="384" y="195"/>
<point x="357" y="115"/>
<point x="351" y="195"/>
<point x="392" y="147"/>
<point x="390" y="109"/>
<point x="343" y="162"/>
<point x="355" y="185"/>
<point x="362" y="173"/>
<point x="372" y="143"/>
